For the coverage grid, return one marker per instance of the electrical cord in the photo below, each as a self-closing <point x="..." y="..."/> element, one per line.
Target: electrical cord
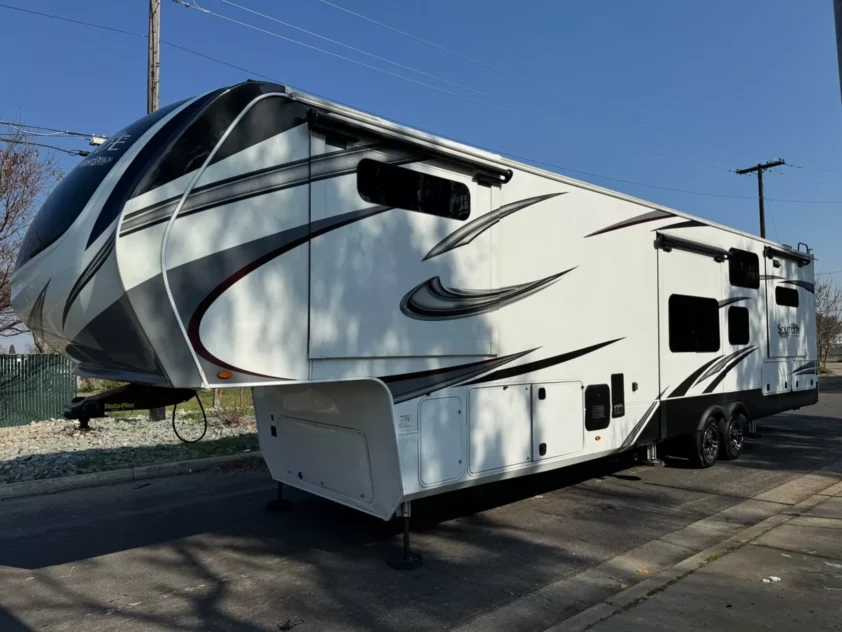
<point x="204" y="428"/>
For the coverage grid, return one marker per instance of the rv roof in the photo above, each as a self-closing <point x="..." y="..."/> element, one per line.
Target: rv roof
<point x="486" y="159"/>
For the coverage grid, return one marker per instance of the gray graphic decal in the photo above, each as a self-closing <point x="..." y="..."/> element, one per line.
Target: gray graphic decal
<point x="715" y="382"/>
<point x="733" y="299"/>
<point x="633" y="221"/>
<point x="255" y="183"/>
<point x="467" y="233"/>
<point x="87" y="274"/>
<point x="810" y="287"/>
<point x="431" y="300"/>
<point x="407" y="386"/>
<point x="638" y="427"/>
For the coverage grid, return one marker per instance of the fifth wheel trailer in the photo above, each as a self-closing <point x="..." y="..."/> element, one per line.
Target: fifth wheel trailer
<point x="413" y="315"/>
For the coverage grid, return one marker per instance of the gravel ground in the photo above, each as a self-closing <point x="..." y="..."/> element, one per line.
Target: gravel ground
<point x="57" y="447"/>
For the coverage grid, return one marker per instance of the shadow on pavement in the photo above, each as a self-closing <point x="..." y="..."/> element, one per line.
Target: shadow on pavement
<point x="10" y="623"/>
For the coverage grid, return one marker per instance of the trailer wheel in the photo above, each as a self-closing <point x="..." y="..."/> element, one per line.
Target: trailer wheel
<point x="733" y="436"/>
<point x="706" y="444"/>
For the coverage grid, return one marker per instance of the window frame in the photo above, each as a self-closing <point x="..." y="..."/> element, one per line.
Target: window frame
<point x="712" y="307"/>
<point x="786" y="291"/>
<point x="734" y="257"/>
<point x="736" y="309"/>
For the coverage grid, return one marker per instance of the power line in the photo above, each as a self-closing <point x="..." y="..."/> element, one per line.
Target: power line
<point x="828" y="273"/>
<point x="557" y="167"/>
<point x="135" y="34"/>
<point x="69" y="152"/>
<point x="55" y="132"/>
<point x="510" y="155"/>
<point x="543" y="113"/>
<point x="530" y="81"/>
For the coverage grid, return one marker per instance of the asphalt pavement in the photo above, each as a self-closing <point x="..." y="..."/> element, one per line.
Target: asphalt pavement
<point x="199" y="552"/>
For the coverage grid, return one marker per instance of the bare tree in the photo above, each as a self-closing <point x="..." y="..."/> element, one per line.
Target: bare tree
<point x="828" y="317"/>
<point x="25" y="174"/>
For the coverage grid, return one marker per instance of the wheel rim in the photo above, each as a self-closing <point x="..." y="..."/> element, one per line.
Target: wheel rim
<point x="710" y="443"/>
<point x="735" y="436"/>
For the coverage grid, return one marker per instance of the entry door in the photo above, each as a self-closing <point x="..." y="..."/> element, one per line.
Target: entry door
<point x="690" y="320"/>
<point x="789" y="300"/>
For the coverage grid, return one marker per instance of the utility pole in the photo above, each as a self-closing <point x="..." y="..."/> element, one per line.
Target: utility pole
<point x="154" y="63"/>
<point x="759" y="169"/>
<point x="153" y="68"/>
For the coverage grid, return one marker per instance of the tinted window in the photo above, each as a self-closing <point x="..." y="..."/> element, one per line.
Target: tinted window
<point x="693" y="324"/>
<point x="71" y="195"/>
<point x="744" y="269"/>
<point x="597" y="407"/>
<point x="389" y="185"/>
<point x="786" y="296"/>
<point x="738" y="325"/>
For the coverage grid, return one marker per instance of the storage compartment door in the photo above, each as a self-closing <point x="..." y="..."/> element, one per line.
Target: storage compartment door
<point x="500" y="427"/>
<point x="557" y="419"/>
<point x="776" y="378"/>
<point x="442" y="442"/>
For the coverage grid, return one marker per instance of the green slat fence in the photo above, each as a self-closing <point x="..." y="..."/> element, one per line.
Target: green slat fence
<point x="34" y="387"/>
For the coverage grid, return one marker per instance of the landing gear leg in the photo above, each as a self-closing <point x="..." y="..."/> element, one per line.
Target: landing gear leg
<point x="407" y="561"/>
<point x="652" y="456"/>
<point x="752" y="430"/>
<point x="280" y="503"/>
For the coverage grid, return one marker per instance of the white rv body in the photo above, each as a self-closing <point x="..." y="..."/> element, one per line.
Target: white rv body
<point x="395" y="353"/>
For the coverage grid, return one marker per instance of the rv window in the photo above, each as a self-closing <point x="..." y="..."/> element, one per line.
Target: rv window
<point x="786" y="296"/>
<point x="694" y="324"/>
<point x="738" y="325"/>
<point x="380" y="183"/>
<point x="744" y="269"/>
<point x="597" y="407"/>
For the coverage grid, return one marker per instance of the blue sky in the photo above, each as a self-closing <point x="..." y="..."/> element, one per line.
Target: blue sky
<point x="749" y="81"/>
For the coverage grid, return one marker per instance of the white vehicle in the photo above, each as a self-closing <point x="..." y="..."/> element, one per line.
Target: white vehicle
<point x="413" y="315"/>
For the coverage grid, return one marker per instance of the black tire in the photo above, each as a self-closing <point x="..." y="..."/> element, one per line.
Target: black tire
<point x="704" y="449"/>
<point x="733" y="436"/>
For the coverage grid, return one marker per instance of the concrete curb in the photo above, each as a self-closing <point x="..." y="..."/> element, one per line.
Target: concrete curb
<point x="639" y="592"/>
<point x="78" y="481"/>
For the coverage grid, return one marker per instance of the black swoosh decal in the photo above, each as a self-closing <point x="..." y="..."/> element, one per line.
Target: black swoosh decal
<point x="716" y="368"/>
<point x="691" y="379"/>
<point x="407" y="386"/>
<point x="431" y="300"/>
<point x="769" y="277"/>
<point x="253" y="184"/>
<point x="236" y="262"/>
<point x="643" y="419"/>
<point x="36" y="315"/>
<point x="722" y="375"/>
<point x="529" y="367"/>
<point x="87" y="274"/>
<point x="690" y="223"/>
<point x="639" y="219"/>
<point x="812" y="364"/>
<point x="470" y="231"/>
<point x="733" y="299"/>
<point x="810" y="287"/>
<point x="809" y="367"/>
